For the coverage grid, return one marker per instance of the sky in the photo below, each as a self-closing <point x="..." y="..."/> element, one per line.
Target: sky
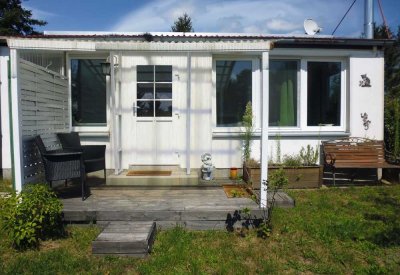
<point x="242" y="16"/>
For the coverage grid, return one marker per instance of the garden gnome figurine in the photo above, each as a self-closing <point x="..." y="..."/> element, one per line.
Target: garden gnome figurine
<point x="207" y="167"/>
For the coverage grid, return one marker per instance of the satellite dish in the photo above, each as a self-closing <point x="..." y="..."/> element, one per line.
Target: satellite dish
<point x="311" y="27"/>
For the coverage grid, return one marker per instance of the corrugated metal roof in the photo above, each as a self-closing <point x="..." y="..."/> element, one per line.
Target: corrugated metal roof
<point x="279" y="40"/>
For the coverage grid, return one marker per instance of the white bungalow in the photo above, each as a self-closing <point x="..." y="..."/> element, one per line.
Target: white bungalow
<point x="170" y="97"/>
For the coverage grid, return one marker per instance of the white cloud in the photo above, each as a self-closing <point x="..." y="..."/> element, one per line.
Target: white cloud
<point x="38" y="13"/>
<point x="255" y="16"/>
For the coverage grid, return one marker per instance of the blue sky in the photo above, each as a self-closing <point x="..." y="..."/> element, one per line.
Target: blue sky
<point x="252" y="16"/>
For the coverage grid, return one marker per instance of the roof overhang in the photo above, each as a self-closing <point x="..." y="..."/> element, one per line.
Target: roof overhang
<point x="170" y="41"/>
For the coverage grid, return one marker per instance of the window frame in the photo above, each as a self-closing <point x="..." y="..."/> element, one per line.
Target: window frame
<point x="255" y="92"/>
<point x="299" y="90"/>
<point x="304" y="95"/>
<point x="88" y="129"/>
<point x="154" y="82"/>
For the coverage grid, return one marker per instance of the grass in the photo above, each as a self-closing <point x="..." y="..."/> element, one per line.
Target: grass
<point x="5" y="186"/>
<point x="335" y="231"/>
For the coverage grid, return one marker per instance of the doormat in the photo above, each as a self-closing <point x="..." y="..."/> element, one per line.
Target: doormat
<point x="148" y="173"/>
<point x="237" y="191"/>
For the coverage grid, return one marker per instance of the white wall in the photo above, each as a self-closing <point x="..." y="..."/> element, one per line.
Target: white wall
<point x="368" y="100"/>
<point x="5" y="119"/>
<point x="226" y="149"/>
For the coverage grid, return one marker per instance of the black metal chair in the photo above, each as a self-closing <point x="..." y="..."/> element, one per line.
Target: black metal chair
<point x="62" y="165"/>
<point x="93" y="155"/>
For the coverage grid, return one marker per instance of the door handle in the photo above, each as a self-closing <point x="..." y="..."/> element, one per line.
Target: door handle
<point x="135" y="108"/>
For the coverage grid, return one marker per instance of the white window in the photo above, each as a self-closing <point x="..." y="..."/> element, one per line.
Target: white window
<point x="307" y="95"/>
<point x="323" y="95"/>
<point x="237" y="82"/>
<point x="283" y="93"/>
<point x="88" y="93"/>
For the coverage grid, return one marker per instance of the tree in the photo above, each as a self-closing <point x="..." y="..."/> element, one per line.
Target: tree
<point x="15" y="20"/>
<point x="392" y="91"/>
<point x="183" y="24"/>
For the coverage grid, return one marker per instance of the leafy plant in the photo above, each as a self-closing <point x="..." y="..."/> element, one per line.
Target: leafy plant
<point x="31" y="215"/>
<point x="247" y="121"/>
<point x="252" y="163"/>
<point x="277" y="180"/>
<point x="309" y="156"/>
<point x="292" y="161"/>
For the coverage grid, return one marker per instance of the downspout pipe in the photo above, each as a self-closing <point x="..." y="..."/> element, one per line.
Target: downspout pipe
<point x="369" y="19"/>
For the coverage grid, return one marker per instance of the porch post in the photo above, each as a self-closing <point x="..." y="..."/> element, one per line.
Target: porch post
<point x="188" y="110"/>
<point x="264" y="128"/>
<point x="16" y="136"/>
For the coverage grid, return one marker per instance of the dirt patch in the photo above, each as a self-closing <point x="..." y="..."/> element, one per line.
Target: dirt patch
<point x="237" y="191"/>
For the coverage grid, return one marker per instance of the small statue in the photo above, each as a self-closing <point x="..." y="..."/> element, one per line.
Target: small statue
<point x="207" y="167"/>
<point x="365" y="82"/>
<point x="365" y="120"/>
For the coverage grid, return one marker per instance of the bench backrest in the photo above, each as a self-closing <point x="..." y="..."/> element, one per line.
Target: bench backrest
<point x="361" y="152"/>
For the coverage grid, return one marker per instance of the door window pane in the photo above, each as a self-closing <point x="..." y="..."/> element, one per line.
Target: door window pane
<point x="324" y="90"/>
<point x="163" y="73"/>
<point x="145" y="108"/>
<point x="145" y="91"/>
<point x="145" y="73"/>
<point x="234" y="87"/>
<point x="163" y="91"/>
<point x="88" y="93"/>
<point x="163" y="108"/>
<point x="283" y="93"/>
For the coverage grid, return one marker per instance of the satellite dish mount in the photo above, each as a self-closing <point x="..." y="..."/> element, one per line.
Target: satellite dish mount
<point x="311" y="27"/>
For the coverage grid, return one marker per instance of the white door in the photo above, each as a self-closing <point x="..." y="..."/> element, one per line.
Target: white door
<point x="149" y="122"/>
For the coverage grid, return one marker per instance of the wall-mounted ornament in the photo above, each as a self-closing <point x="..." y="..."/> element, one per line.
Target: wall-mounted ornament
<point x="365" y="82"/>
<point x="365" y="120"/>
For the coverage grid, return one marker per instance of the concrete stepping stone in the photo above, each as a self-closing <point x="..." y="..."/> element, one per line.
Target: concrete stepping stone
<point x="125" y="238"/>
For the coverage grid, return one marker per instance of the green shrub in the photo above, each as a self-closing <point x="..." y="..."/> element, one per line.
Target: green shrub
<point x="32" y="215"/>
<point x="292" y="161"/>
<point x="309" y="156"/>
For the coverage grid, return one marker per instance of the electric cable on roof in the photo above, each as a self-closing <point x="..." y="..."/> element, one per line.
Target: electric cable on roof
<point x="384" y="19"/>
<point x="343" y="17"/>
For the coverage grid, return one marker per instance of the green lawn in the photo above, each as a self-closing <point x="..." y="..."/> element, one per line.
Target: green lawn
<point x="334" y="231"/>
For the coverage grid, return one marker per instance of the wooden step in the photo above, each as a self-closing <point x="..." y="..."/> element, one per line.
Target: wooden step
<point x="125" y="238"/>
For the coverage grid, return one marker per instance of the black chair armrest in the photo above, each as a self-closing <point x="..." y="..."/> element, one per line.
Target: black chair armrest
<point x="94" y="151"/>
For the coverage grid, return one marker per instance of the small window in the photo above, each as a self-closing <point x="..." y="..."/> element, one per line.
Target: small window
<point x="324" y="93"/>
<point x="154" y="91"/>
<point x="283" y="93"/>
<point x="88" y="93"/>
<point x="234" y="90"/>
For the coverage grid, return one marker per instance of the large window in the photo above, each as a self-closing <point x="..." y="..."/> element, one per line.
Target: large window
<point x="154" y="91"/>
<point x="323" y="93"/>
<point x="234" y="90"/>
<point x="283" y="92"/>
<point x="88" y="93"/>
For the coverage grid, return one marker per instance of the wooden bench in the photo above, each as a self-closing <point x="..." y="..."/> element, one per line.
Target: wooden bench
<point x="355" y="153"/>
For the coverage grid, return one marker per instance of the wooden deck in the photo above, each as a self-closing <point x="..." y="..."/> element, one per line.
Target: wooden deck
<point x="191" y="207"/>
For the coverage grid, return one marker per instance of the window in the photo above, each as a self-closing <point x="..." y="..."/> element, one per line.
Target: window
<point x="88" y="93"/>
<point x="283" y="92"/>
<point x="154" y="91"/>
<point x="323" y="93"/>
<point x="234" y="90"/>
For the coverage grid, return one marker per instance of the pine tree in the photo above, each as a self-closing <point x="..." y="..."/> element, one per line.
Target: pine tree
<point x="183" y="24"/>
<point x="15" y="20"/>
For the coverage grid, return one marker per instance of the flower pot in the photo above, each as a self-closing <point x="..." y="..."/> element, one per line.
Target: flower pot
<point x="233" y="173"/>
